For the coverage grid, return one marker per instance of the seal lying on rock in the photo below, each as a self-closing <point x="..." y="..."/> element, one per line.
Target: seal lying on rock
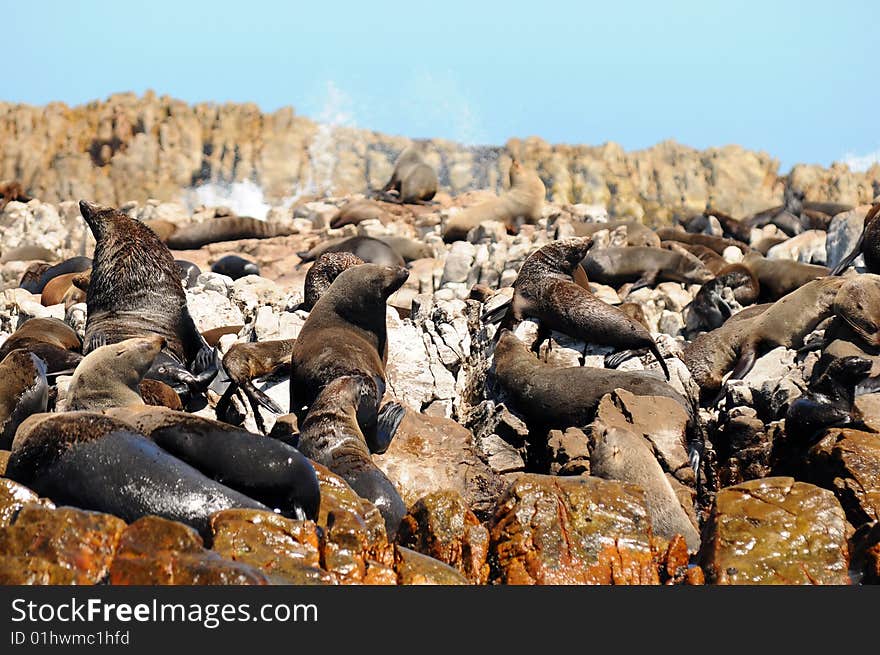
<point x="413" y="179"/>
<point x="778" y="277"/>
<point x="235" y="267"/>
<point x="330" y="435"/>
<point x="637" y="234"/>
<point x="36" y="283"/>
<point x="51" y="339"/>
<point x="24" y="390"/>
<point x="225" y="228"/>
<point x="135" y="291"/>
<point x="524" y="200"/>
<point x="373" y="251"/>
<point x="709" y="308"/>
<point x="643" y="266"/>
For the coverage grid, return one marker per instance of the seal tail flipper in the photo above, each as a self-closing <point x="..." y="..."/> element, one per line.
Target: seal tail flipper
<point x="390" y="416"/>
<point x="659" y="357"/>
<point x="648" y="279"/>
<point x="746" y="362"/>
<point x="257" y="396"/>
<point x="850" y="258"/>
<point x="613" y="360"/>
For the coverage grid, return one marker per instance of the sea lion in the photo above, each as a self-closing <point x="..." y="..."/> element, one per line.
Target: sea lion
<point x="523" y="200"/>
<point x="709" y="308"/>
<point x="50" y="339"/>
<point x="413" y="179"/>
<point x="322" y="273"/>
<point x="829" y="400"/>
<point x="235" y="267"/>
<point x="779" y="277"/>
<point x="225" y="228"/>
<point x="738" y="343"/>
<point x="711" y="259"/>
<point x="544" y="289"/>
<point x="189" y="272"/>
<point x="28" y="254"/>
<point x="345" y="334"/>
<point x="558" y="398"/>
<point x="72" y="265"/>
<point x="24" y="390"/>
<point x="622" y="455"/>
<point x="868" y="244"/>
<point x="135" y="291"/>
<point x="330" y="435"/>
<point x="265" y="469"/>
<point x="356" y="211"/>
<point x="643" y="266"/>
<point x="718" y="244"/>
<point x="637" y="234"/>
<point x="95" y="462"/>
<point x="369" y="249"/>
<point x="109" y="376"/>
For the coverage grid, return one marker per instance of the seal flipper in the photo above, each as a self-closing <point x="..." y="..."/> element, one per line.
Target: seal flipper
<point x="390" y="416"/>
<point x="613" y="360"/>
<point x="648" y="279"/>
<point x="659" y="357"/>
<point x="744" y="364"/>
<point x="95" y="341"/>
<point x="851" y="257"/>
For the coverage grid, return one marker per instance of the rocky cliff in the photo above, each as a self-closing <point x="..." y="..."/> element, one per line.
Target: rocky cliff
<point x="134" y="148"/>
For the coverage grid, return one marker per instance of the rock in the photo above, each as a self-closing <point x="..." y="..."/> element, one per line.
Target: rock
<point x="338" y="498"/>
<point x="429" y="454"/>
<point x="442" y="526"/>
<point x="458" y="262"/>
<point x="348" y="554"/>
<point x="848" y="463"/>
<point x="572" y="530"/>
<point x="569" y="452"/>
<point x="767" y="375"/>
<point x="843" y="233"/>
<point x="776" y="531"/>
<point x="156" y="551"/>
<point x="13" y="497"/>
<point x="287" y="550"/>
<point x="82" y="542"/>
<point x="807" y="247"/>
<point x="211" y="309"/>
<point x="4" y="460"/>
<point x="732" y="255"/>
<point x="413" y="568"/>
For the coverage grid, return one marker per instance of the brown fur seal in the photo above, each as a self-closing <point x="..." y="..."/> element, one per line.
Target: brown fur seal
<point x="109" y="376"/>
<point x="868" y="244"/>
<point x="558" y="398"/>
<point x="56" y="289"/>
<point x="225" y="228"/>
<point x="523" y="200"/>
<point x="738" y="343"/>
<point x="330" y="435"/>
<point x="409" y="249"/>
<point x="36" y="283"/>
<point x="709" y="308"/>
<point x="711" y="259"/>
<point x="413" y="179"/>
<point x="371" y="250"/>
<point x="718" y="244"/>
<point x="213" y="336"/>
<point x="544" y="290"/>
<point x="95" y="462"/>
<point x="621" y="455"/>
<point x="24" y="390"/>
<point x="235" y="267"/>
<point x="135" y="291"/>
<point x="779" y="277"/>
<point x="322" y="273"/>
<point x="732" y="228"/>
<point x="643" y="266"/>
<point x="28" y="254"/>
<point x="52" y="340"/>
<point x="345" y="334"/>
<point x="357" y="211"/>
<point x="637" y="234"/>
<point x="154" y="392"/>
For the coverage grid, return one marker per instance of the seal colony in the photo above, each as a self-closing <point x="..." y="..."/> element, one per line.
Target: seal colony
<point x="140" y="402"/>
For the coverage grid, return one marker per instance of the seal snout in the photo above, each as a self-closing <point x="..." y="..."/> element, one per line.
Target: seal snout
<point x="398" y="277"/>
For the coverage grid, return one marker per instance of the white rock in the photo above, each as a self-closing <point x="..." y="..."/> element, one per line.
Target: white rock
<point x="732" y="255"/>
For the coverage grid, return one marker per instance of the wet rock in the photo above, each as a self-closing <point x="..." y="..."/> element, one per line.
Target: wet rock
<point x="430" y="454"/>
<point x="14" y="496"/>
<point x="82" y="542"/>
<point x="338" y="497"/>
<point x="414" y="568"/>
<point x="349" y="556"/>
<point x="283" y="548"/>
<point x="156" y="551"/>
<point x="776" y="531"/>
<point x="21" y="570"/>
<point x="848" y="463"/>
<point x="744" y="447"/>
<point x="569" y="452"/>
<point x="4" y="460"/>
<point x="442" y="526"/>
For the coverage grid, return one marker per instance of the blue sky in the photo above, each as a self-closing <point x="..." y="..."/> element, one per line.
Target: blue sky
<point x="798" y="80"/>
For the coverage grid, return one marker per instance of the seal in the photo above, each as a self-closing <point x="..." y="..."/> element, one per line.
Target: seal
<point x="718" y="244"/>
<point x="330" y="435"/>
<point x="109" y="376"/>
<point x="50" y="339"/>
<point x="95" y="462"/>
<point x="154" y="392"/>
<point x="559" y="398"/>
<point x="867" y="245"/>
<point x="28" y="254"/>
<point x="57" y="288"/>
<point x="35" y="284"/>
<point x="544" y="290"/>
<point x="265" y="469"/>
<point x="322" y="273"/>
<point x="739" y="342"/>
<point x="135" y="291"/>
<point x="189" y="272"/>
<point x="214" y="335"/>
<point x="523" y="200"/>
<point x="225" y="228"/>
<point x="711" y="259"/>
<point x="12" y="191"/>
<point x="24" y="390"/>
<point x="413" y="180"/>
<point x="357" y="211"/>
<point x="710" y="308"/>
<point x="369" y="249"/>
<point x="346" y="334"/>
<point x="779" y="277"/>
<point x="731" y="227"/>
<point x="409" y="249"/>
<point x="621" y="455"/>
<point x="637" y="234"/>
<point x="235" y="267"/>
<point x="643" y="266"/>
<point x="829" y="400"/>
